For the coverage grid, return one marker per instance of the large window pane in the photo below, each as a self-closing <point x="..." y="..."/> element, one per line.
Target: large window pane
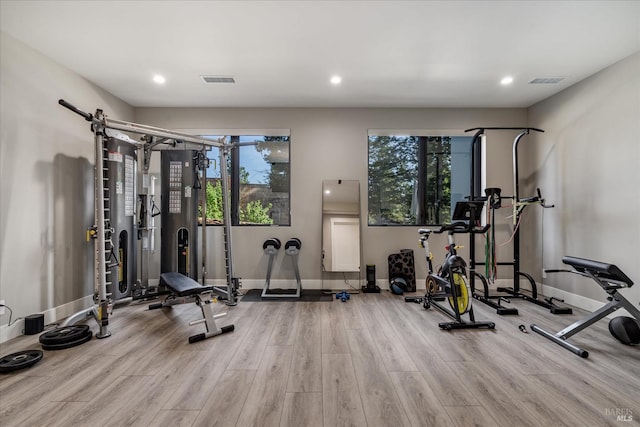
<point x="259" y="181"/>
<point x="264" y="180"/>
<point x="393" y="163"/>
<point x="416" y="180"/>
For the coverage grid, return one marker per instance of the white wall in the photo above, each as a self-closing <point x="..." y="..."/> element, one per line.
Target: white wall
<point x="46" y="180"/>
<point x="332" y="144"/>
<point x="587" y="164"/>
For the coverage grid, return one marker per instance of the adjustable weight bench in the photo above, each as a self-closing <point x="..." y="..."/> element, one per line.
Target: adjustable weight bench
<point x="184" y="289"/>
<point x="611" y="279"/>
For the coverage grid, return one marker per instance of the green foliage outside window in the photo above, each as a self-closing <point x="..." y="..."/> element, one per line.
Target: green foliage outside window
<point x="398" y="193"/>
<point x="214" y="203"/>
<point x="392" y="170"/>
<point x="254" y="213"/>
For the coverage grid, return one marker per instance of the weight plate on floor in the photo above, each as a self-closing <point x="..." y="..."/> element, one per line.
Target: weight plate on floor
<point x="69" y="344"/>
<point x="20" y="360"/>
<point x="64" y="335"/>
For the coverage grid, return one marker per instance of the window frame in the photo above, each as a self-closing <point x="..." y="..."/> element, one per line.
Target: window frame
<point x="234" y="135"/>
<point x="476" y="159"/>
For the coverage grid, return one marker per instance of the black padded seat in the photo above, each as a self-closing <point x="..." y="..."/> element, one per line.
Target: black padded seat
<point x="182" y="285"/>
<point x="598" y="269"/>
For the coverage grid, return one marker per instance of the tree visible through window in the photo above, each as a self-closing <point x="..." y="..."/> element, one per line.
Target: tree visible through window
<point x="415" y="180"/>
<point x="259" y="174"/>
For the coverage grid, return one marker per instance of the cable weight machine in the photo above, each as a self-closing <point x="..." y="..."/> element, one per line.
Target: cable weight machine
<point x="184" y="177"/>
<point x="493" y="197"/>
<point x="101" y="231"/>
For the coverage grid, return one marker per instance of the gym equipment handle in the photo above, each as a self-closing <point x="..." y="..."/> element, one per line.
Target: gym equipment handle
<point x="88" y="117"/>
<point x="461" y="227"/>
<point x="481" y="230"/>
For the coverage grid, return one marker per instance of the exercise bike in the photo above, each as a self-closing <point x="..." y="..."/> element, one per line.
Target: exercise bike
<point x="450" y="282"/>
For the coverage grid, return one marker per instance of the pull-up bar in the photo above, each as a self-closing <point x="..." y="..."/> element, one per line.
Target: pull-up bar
<point x="141" y="129"/>
<point x="480" y="131"/>
<point x="507" y="128"/>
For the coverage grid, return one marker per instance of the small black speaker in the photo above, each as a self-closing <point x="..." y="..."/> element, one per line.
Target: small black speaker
<point x="371" y="286"/>
<point x="33" y="324"/>
<point x="371" y="274"/>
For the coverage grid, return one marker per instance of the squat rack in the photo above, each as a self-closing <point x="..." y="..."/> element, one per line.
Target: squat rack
<point x="100" y="126"/>
<point x="519" y="204"/>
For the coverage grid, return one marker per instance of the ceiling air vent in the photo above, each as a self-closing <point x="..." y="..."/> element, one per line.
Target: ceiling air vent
<point x="218" y="79"/>
<point x="546" y="80"/>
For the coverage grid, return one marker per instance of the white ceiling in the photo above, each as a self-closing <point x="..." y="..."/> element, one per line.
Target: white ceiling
<point x="282" y="53"/>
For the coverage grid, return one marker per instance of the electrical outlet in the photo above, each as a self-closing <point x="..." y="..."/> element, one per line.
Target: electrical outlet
<point x="544" y="273"/>
<point x="1" y="307"/>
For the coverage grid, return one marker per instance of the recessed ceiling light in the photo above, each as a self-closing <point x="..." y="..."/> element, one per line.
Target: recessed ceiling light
<point x="327" y="191"/>
<point x="336" y="80"/>
<point x="506" y="80"/>
<point x="159" y="79"/>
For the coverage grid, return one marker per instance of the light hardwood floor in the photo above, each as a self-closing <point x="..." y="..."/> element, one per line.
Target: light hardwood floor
<point x="372" y="361"/>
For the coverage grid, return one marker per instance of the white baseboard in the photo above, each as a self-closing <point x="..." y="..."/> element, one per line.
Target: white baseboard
<point x="50" y="316"/>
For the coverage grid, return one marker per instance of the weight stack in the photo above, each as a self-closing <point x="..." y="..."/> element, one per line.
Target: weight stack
<point x="179" y="218"/>
<point x="121" y="184"/>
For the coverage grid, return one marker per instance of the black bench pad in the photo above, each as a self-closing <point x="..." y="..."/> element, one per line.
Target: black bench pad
<point x="598" y="269"/>
<point x="182" y="285"/>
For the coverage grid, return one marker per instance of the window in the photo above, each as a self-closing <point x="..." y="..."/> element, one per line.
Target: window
<point x="416" y="179"/>
<point x="259" y="174"/>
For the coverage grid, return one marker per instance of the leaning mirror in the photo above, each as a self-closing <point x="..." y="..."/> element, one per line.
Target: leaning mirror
<point x="341" y="225"/>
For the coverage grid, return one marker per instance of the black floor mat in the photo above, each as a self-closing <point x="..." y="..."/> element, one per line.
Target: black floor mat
<point x="307" y="295"/>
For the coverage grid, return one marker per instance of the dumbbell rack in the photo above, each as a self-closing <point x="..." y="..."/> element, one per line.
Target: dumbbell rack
<point x="292" y="249"/>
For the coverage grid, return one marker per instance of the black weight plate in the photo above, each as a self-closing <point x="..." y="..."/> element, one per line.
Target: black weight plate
<point x="20" y="360"/>
<point x="293" y="242"/>
<point x="70" y="344"/>
<point x="271" y="242"/>
<point x="64" y="335"/>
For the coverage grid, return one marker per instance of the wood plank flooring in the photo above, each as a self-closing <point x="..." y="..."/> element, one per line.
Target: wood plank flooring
<point x="371" y="361"/>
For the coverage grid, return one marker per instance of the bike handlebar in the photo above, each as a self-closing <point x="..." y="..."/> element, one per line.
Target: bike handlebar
<point x="455" y="228"/>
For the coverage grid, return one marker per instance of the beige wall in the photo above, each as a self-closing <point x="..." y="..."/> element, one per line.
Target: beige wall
<point x="46" y="180"/>
<point x="332" y="144"/>
<point x="587" y="164"/>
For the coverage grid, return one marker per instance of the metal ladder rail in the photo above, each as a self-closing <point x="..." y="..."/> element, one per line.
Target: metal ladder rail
<point x="108" y="240"/>
<point x="233" y="283"/>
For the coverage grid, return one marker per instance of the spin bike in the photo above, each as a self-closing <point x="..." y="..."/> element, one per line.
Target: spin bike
<point x="450" y="283"/>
